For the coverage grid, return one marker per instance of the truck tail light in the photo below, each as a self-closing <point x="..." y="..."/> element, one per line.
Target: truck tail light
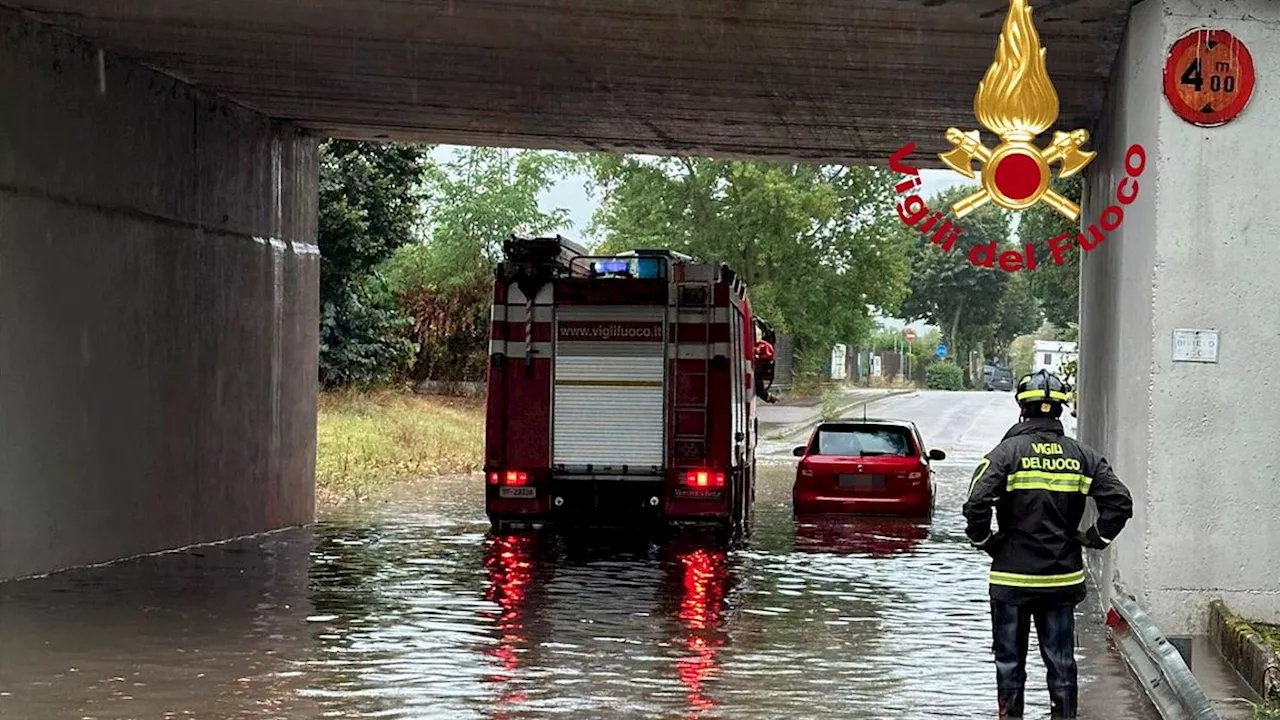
<point x="704" y="479"/>
<point x="509" y="477"/>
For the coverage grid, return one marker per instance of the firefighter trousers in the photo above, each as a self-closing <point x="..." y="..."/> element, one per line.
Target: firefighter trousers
<point x="1056" y="635"/>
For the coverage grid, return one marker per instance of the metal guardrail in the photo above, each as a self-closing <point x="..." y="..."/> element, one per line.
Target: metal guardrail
<point x="1157" y="663"/>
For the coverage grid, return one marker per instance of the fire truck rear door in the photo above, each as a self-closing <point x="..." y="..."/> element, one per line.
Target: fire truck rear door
<point x="609" y="380"/>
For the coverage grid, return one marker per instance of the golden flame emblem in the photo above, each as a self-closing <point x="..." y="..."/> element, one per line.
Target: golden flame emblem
<point x="1017" y="101"/>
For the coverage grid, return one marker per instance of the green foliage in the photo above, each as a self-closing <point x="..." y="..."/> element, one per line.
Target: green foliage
<point x="363" y="338"/>
<point x="887" y="339"/>
<point x="1056" y="286"/>
<point x="368" y="207"/>
<point x="1017" y="313"/>
<point x="1069" y="370"/>
<point x="831" y="405"/>
<point x="817" y="246"/>
<point x="480" y="196"/>
<point x="973" y="305"/>
<point x="945" y="375"/>
<point x="1022" y="355"/>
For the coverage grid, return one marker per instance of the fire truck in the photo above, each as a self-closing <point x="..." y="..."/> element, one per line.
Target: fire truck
<point x="620" y="387"/>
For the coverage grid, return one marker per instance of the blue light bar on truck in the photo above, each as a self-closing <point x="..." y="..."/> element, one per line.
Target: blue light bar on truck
<point x="609" y="267"/>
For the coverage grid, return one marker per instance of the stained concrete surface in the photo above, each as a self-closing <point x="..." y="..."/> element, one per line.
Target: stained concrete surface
<point x="797" y="79"/>
<point x="1194" y="441"/>
<point x="158" y="311"/>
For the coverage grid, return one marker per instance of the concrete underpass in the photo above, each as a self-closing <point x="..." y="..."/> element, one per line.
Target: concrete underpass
<point x="158" y="273"/>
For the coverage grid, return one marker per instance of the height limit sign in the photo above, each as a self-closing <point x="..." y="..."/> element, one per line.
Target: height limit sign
<point x="1208" y="77"/>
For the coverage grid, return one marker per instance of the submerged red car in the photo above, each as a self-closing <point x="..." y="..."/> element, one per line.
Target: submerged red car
<point x="867" y="467"/>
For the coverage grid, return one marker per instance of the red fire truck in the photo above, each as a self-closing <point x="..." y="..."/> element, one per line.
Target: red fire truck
<point x="620" y="387"/>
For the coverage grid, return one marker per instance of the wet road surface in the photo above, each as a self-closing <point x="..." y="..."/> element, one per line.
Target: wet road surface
<point x="409" y="610"/>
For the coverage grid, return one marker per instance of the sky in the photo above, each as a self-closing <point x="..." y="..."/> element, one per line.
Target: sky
<point x="571" y="194"/>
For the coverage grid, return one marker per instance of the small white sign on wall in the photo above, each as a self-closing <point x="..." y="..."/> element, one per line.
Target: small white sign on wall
<point x="1195" y="345"/>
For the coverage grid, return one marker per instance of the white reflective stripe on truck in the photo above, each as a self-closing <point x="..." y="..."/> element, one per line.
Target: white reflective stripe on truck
<point x="518" y="313"/>
<point x="718" y="315"/>
<point x="697" y="351"/>
<point x="516" y="347"/>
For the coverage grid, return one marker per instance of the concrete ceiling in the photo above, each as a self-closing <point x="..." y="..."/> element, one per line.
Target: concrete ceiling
<point x="831" y="80"/>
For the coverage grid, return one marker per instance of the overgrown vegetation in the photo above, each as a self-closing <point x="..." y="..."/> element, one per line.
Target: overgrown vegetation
<point x="444" y="280"/>
<point x="831" y="405"/>
<point x="1057" y="287"/>
<point x="369" y="197"/>
<point x="944" y="375"/>
<point x="818" y="247"/>
<point x="977" y="308"/>
<point x="367" y="440"/>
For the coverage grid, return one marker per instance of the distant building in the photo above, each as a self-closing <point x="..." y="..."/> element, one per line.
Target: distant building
<point x="1051" y="355"/>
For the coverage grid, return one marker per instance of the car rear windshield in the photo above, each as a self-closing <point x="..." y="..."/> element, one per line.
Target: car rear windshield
<point x="863" y="440"/>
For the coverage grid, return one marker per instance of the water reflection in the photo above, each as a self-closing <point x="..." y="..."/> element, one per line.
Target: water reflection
<point x="509" y="561"/>
<point x="414" y="611"/>
<point x="705" y="574"/>
<point x="845" y="535"/>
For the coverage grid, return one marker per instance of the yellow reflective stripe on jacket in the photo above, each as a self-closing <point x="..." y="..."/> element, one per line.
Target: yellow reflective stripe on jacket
<point x="1054" y="395"/>
<point x="978" y="473"/>
<point x="1051" y="481"/>
<point x="1036" y="581"/>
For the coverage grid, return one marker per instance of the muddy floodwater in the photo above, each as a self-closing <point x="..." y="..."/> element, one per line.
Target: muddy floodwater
<point x="410" y="610"/>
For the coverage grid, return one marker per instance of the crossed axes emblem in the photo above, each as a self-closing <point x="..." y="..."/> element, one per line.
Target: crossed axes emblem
<point x="1064" y="149"/>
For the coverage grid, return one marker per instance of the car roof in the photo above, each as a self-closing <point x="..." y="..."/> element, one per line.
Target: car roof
<point x="868" y="421"/>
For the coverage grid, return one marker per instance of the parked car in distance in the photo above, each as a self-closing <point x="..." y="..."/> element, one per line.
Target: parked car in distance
<point x="865" y="467"/>
<point x="996" y="377"/>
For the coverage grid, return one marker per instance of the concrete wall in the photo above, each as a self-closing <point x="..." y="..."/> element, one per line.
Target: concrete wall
<point x="1194" y="442"/>
<point x="158" y="310"/>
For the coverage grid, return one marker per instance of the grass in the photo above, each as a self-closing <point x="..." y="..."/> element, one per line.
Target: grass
<point x="1271" y="634"/>
<point x="370" y="440"/>
<point x="831" y="405"/>
<point x="1266" y="710"/>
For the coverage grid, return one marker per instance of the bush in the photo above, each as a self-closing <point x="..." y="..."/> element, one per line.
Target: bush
<point x="364" y="339"/>
<point x="944" y="376"/>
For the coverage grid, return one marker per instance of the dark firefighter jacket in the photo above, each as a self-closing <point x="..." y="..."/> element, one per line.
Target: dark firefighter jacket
<point x="1037" y="480"/>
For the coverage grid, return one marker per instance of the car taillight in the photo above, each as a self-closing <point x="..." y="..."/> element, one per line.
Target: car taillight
<point x="704" y="479"/>
<point x="510" y="477"/>
<point x="804" y="469"/>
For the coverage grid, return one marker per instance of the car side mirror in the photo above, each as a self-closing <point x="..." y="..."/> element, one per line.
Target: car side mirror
<point x="798" y="452"/>
<point x="937" y="455"/>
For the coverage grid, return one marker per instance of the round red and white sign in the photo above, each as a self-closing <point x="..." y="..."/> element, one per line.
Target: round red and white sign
<point x="1208" y="77"/>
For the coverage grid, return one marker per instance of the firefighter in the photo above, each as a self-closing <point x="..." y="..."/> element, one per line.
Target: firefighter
<point x="1036" y="480"/>
<point x="764" y="370"/>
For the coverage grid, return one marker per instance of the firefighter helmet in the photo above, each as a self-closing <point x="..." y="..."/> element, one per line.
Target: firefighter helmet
<point x="1042" y="389"/>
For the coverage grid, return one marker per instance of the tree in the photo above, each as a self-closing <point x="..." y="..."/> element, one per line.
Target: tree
<point x="816" y="246"/>
<point x="368" y="206"/>
<point x="962" y="299"/>
<point x="1018" y="313"/>
<point x="479" y="197"/>
<point x="1056" y="286"/>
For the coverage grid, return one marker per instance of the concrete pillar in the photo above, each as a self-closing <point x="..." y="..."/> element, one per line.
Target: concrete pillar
<point x="1194" y="442"/>
<point x="158" y="310"/>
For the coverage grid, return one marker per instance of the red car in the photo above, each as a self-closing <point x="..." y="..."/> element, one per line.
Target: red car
<point x="873" y="467"/>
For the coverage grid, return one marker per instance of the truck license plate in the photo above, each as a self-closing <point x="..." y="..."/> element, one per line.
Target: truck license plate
<point x="517" y="492"/>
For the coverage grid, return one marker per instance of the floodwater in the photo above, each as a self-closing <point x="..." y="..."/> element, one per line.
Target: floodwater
<point x="410" y="610"/>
